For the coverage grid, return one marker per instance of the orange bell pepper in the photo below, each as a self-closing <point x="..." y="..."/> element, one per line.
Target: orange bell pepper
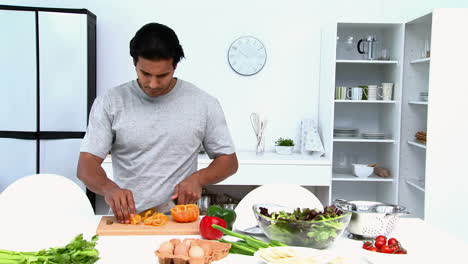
<point x="184" y="213"/>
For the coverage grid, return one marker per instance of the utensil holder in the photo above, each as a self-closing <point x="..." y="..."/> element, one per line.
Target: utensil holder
<point x="260" y="147"/>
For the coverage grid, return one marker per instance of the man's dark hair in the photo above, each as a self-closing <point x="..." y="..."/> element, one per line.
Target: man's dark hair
<point x="154" y="42"/>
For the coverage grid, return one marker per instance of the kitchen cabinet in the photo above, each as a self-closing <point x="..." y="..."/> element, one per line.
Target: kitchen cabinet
<point x="48" y="73"/>
<point x="427" y="178"/>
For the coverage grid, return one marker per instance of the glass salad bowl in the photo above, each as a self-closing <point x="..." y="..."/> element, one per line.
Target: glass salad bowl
<point x="301" y="226"/>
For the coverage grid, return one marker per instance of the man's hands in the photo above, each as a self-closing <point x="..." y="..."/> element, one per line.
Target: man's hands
<point x="93" y="175"/>
<point x="122" y="203"/>
<point x="188" y="191"/>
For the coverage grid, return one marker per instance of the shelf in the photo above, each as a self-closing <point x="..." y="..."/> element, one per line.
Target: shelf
<point x="418" y="102"/>
<point x="419" y="185"/>
<point x="363" y="140"/>
<point x="368" y="61"/>
<point x="419" y="145"/>
<point x="425" y="60"/>
<point x="366" y="101"/>
<point x="349" y="177"/>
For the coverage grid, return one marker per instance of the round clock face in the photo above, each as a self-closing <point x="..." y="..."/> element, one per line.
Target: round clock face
<point x="247" y="55"/>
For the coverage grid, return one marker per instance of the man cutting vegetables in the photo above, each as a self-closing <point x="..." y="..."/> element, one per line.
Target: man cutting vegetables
<point x="155" y="127"/>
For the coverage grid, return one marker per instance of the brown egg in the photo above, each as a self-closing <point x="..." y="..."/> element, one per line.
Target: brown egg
<point x="166" y="247"/>
<point x="196" y="252"/>
<point x="181" y="249"/>
<point x="207" y="249"/>
<point x="175" y="241"/>
<point x="188" y="241"/>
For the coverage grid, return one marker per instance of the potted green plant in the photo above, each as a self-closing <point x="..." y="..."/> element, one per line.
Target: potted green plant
<point x="284" y="146"/>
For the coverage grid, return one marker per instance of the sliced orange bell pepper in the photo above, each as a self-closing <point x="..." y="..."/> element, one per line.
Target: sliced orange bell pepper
<point x="157" y="219"/>
<point x="135" y="219"/>
<point x="185" y="213"/>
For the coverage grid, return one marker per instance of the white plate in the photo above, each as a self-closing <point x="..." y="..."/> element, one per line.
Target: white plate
<point x="321" y="256"/>
<point x="344" y="128"/>
<point x="382" y="258"/>
<point x="289" y="195"/>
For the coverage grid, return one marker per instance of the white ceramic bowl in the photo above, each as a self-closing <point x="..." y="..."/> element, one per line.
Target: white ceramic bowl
<point x="284" y="150"/>
<point x="362" y="170"/>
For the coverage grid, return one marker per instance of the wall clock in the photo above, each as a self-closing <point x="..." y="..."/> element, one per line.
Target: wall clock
<point x="247" y="55"/>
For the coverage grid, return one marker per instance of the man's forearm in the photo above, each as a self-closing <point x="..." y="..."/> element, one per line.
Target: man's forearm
<point x="219" y="169"/>
<point x="93" y="175"/>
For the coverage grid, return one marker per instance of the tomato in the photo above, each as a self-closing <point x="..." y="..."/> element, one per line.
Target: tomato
<point x="395" y="247"/>
<point x="381" y="238"/>
<point x="208" y="232"/>
<point x="392" y="241"/>
<point x="386" y="249"/>
<point x="379" y="244"/>
<point x="372" y="249"/>
<point x="366" y="245"/>
<point x="185" y="213"/>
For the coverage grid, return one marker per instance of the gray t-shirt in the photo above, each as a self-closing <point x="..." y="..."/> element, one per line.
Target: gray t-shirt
<point x="155" y="141"/>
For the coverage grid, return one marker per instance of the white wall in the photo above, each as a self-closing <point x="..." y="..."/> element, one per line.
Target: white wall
<point x="286" y="90"/>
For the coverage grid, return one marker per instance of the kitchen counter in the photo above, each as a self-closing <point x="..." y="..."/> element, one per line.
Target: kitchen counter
<point x="270" y="167"/>
<point x="424" y="243"/>
<point x="246" y="157"/>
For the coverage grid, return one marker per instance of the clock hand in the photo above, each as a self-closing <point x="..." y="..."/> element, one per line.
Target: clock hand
<point x="243" y="54"/>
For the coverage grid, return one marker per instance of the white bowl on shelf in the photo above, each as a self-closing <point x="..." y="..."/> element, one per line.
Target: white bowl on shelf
<point x="362" y="170"/>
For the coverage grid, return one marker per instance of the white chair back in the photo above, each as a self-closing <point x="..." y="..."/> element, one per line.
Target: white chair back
<point x="43" y="210"/>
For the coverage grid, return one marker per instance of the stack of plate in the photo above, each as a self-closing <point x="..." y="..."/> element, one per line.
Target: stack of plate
<point x="345" y="132"/>
<point x="373" y="135"/>
<point x="423" y="96"/>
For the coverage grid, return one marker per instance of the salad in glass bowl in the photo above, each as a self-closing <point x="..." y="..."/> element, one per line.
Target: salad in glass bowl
<point x="301" y="226"/>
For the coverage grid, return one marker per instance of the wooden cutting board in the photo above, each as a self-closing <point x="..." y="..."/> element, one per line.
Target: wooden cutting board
<point x="108" y="226"/>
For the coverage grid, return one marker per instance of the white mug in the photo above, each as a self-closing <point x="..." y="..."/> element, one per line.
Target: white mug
<point x="356" y="93"/>
<point x="372" y="92"/>
<point x="387" y="91"/>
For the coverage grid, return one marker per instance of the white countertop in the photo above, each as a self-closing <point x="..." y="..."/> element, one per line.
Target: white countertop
<point x="425" y="244"/>
<point x="246" y="157"/>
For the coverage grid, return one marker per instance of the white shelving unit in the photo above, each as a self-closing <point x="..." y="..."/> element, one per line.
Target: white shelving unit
<point x="427" y="179"/>
<point x="345" y="67"/>
<point x="434" y="175"/>
<point x="414" y="115"/>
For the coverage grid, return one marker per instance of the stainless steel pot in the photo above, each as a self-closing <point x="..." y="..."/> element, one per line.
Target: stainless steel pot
<point x="370" y="219"/>
<point x="205" y="201"/>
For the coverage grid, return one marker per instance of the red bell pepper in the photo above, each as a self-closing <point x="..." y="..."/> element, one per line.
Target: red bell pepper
<point x="209" y="232"/>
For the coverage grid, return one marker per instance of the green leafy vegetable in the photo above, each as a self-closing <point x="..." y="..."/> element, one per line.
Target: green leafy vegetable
<point x="305" y="227"/>
<point x="78" y="251"/>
